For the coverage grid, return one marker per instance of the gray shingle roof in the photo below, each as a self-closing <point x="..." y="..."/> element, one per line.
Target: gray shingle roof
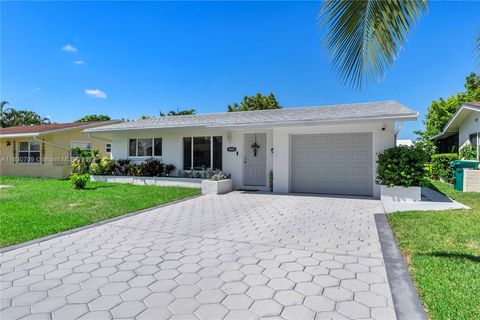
<point x="317" y="114"/>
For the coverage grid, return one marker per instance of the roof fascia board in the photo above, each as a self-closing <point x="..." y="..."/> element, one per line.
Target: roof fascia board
<point x="19" y="135"/>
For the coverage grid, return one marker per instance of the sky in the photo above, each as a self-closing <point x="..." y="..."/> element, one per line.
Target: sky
<point x="126" y="59"/>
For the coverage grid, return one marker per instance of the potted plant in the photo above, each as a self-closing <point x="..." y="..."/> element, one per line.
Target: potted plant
<point x="219" y="183"/>
<point x="401" y="173"/>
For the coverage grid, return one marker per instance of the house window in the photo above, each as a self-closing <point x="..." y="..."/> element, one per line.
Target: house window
<point x="29" y="152"/>
<point x="108" y="147"/>
<point x="83" y="145"/>
<point x="202" y="153"/>
<point x="474" y="141"/>
<point x="145" y="147"/>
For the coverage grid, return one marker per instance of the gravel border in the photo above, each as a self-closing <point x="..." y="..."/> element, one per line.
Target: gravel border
<point x="405" y="297"/>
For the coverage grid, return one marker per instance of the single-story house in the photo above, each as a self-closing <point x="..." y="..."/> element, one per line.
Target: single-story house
<point x="327" y="149"/>
<point x="46" y="150"/>
<point x="405" y="142"/>
<point x="462" y="129"/>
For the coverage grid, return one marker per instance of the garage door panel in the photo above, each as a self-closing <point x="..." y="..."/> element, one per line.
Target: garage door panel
<point x="340" y="164"/>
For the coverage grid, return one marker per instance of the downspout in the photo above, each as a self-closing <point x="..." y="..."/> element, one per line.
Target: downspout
<point x="397" y="130"/>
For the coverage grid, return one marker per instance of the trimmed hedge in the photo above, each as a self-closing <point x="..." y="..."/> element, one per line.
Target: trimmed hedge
<point x="441" y="166"/>
<point x="402" y="166"/>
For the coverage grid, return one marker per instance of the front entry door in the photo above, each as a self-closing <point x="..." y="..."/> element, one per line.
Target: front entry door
<point x="255" y="161"/>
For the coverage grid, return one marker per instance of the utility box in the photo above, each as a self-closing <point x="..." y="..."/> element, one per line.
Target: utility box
<point x="471" y="180"/>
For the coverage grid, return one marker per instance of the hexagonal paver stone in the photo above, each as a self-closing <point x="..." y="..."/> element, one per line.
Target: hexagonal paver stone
<point x="96" y="315"/>
<point x="163" y="286"/>
<point x="371" y="299"/>
<point x="238" y="302"/>
<point x="281" y="284"/>
<point x="342" y="274"/>
<point x="338" y="294"/>
<point x="319" y="303"/>
<point x="154" y="313"/>
<point x="187" y="278"/>
<point x="308" y="289"/>
<point x="316" y="270"/>
<point x="94" y="283"/>
<point x="37" y="316"/>
<point x="45" y="285"/>
<point x="48" y="305"/>
<point x="241" y="314"/>
<point x="128" y="309"/>
<point x="299" y="276"/>
<point x="233" y="275"/>
<point x="210" y="296"/>
<point x="15" y="312"/>
<point x="266" y="308"/>
<point x="28" y="298"/>
<point x="291" y="266"/>
<point x="297" y="312"/>
<point x="326" y="281"/>
<point x="211" y="312"/>
<point x="260" y="292"/>
<point x="289" y="297"/>
<point x="104" y="303"/>
<point x="158" y="299"/>
<point x="114" y="288"/>
<point x="70" y="311"/>
<point x="189" y="268"/>
<point x="353" y="309"/>
<point x="121" y="276"/>
<point x="354" y="285"/>
<point x="234" y="287"/>
<point x="63" y="290"/>
<point x="273" y="273"/>
<point x="183" y="305"/>
<point x="135" y="294"/>
<point x="186" y="290"/>
<point x="210" y="283"/>
<point x="166" y="274"/>
<point x="251" y="269"/>
<point x="370" y="277"/>
<point x="383" y="313"/>
<point x="142" y="281"/>
<point x="83" y="296"/>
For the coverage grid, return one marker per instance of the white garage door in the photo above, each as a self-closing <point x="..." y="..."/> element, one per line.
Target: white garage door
<point x="332" y="163"/>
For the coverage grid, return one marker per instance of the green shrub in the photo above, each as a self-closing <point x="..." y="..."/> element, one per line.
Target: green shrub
<point x="107" y="166"/>
<point x="401" y="166"/>
<point x="79" y="180"/>
<point x="468" y="152"/>
<point x="95" y="168"/>
<point x="441" y="165"/>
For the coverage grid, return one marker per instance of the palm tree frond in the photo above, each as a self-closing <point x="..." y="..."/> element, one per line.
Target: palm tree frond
<point x="364" y="37"/>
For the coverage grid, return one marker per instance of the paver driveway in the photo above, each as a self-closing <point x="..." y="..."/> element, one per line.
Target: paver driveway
<point x="236" y="256"/>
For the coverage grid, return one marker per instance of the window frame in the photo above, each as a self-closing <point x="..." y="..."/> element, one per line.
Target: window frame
<point x="29" y="151"/>
<point x="478" y="142"/>
<point x="192" y="139"/>
<point x="71" y="147"/>
<point x="136" y="147"/>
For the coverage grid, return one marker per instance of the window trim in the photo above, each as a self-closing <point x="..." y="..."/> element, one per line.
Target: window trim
<point x="71" y="147"/>
<point x="478" y="142"/>
<point x="192" y="151"/>
<point x="136" y="156"/>
<point x="29" y="151"/>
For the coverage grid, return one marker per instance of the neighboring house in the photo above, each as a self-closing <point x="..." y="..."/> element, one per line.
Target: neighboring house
<point x="462" y="129"/>
<point x="329" y="149"/>
<point x="45" y="150"/>
<point x="404" y="142"/>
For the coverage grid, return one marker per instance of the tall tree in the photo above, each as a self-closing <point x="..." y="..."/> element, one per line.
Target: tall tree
<point x="12" y="117"/>
<point x="364" y="37"/>
<point x="441" y="110"/>
<point x="256" y="102"/>
<point x="93" y="117"/>
<point x="180" y="112"/>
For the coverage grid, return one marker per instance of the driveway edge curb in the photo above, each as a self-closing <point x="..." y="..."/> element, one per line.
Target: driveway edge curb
<point x="89" y="226"/>
<point x="405" y="296"/>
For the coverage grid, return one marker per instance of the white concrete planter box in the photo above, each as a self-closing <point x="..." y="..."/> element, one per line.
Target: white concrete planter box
<point x="401" y="194"/>
<point x="155" y="181"/>
<point x="216" y="187"/>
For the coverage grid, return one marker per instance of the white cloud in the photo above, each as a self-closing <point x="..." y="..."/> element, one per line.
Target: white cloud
<point x="36" y="90"/>
<point x="96" y="93"/>
<point x="79" y="62"/>
<point x="69" y="48"/>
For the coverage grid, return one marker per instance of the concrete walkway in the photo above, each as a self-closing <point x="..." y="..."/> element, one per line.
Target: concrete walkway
<point x="236" y="256"/>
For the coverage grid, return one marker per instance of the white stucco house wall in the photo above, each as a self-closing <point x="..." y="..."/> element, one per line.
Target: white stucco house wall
<point x="322" y="149"/>
<point x="466" y="123"/>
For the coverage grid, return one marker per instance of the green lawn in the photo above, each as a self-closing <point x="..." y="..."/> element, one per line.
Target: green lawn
<point x="34" y="208"/>
<point x="443" y="252"/>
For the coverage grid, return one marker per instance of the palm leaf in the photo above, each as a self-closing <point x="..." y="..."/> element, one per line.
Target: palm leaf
<point x="364" y="37"/>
